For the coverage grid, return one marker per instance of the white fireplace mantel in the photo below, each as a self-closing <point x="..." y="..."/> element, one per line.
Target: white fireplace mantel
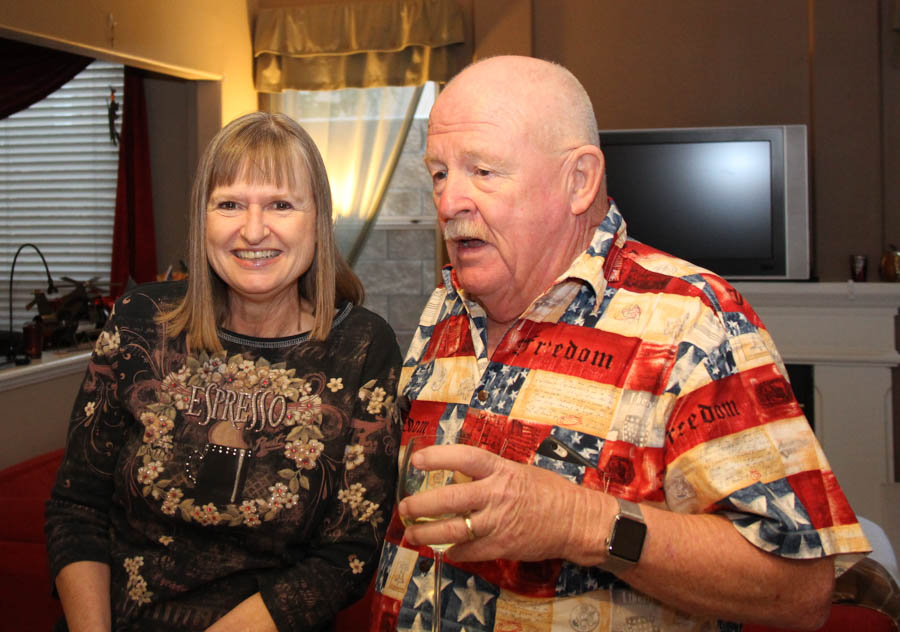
<point x="848" y="332"/>
<point x="829" y="323"/>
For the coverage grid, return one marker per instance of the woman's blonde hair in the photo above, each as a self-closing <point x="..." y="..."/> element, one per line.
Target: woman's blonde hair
<point x="270" y="149"/>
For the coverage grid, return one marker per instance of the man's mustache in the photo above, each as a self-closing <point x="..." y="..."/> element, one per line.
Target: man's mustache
<point x="464" y="229"/>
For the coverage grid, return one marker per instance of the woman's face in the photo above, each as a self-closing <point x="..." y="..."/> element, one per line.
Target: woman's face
<point x="260" y="239"/>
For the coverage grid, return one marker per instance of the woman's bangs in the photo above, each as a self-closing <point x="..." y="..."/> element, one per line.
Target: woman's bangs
<point x="262" y="162"/>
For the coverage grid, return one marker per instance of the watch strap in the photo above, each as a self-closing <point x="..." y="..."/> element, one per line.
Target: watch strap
<point x="627" y="511"/>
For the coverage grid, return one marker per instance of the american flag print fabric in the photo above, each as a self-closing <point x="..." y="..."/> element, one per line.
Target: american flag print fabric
<point x="638" y="374"/>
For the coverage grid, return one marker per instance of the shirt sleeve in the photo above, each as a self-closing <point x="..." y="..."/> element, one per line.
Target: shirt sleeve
<point x="336" y="567"/>
<point x="737" y="443"/>
<point x="77" y="514"/>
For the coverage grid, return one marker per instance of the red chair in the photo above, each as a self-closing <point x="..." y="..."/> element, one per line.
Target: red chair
<point x="25" y="599"/>
<point x="355" y="618"/>
<point x="843" y="618"/>
<point x="866" y="599"/>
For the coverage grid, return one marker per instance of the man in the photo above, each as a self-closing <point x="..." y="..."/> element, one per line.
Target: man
<point x="640" y="461"/>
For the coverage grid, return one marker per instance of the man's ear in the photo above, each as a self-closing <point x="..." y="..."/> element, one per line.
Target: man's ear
<point x="585" y="176"/>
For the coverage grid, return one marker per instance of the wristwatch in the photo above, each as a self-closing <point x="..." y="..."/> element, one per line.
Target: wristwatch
<point x="626" y="538"/>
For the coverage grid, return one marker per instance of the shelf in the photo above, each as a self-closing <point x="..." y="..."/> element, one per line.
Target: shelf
<point x="51" y="364"/>
<point x="846" y="294"/>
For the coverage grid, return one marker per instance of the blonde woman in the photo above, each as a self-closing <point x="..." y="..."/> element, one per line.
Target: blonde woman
<point x="232" y="452"/>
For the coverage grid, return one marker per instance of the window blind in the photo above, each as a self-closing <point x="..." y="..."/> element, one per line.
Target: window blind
<point x="58" y="173"/>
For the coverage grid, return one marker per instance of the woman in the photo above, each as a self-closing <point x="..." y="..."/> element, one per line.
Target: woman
<point x="232" y="452"/>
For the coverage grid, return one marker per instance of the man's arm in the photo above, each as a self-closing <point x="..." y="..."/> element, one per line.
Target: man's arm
<point x="702" y="564"/>
<point x="698" y="564"/>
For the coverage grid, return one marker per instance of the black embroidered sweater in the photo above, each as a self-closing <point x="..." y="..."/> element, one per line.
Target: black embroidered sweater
<point x="203" y="479"/>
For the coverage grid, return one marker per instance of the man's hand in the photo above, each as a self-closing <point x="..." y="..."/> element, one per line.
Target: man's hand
<point x="698" y="564"/>
<point x="516" y="511"/>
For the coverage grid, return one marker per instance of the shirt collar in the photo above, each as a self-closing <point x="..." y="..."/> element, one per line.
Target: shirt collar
<point x="594" y="265"/>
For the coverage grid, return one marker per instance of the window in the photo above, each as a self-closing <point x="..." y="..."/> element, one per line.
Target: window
<point x="358" y="131"/>
<point x="58" y="172"/>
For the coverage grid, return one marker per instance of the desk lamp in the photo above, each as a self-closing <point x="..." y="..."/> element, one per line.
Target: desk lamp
<point x="11" y="352"/>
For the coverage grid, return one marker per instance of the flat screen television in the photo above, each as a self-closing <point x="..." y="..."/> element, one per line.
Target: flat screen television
<point x="731" y="199"/>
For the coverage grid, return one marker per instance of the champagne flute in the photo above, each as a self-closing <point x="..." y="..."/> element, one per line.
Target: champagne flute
<point x="411" y="481"/>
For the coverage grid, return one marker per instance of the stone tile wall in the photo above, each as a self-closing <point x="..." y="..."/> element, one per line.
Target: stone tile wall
<point x="397" y="264"/>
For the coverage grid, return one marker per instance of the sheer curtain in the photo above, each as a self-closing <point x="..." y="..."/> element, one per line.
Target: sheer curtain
<point x="360" y="132"/>
<point x="352" y="74"/>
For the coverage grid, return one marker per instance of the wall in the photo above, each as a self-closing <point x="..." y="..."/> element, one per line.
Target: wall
<point x="500" y="27"/>
<point x="830" y="64"/>
<point x="670" y="64"/>
<point x="179" y="131"/>
<point x="169" y="102"/>
<point x="890" y="87"/>
<point x="200" y="39"/>
<point x="35" y="417"/>
<point x="847" y="135"/>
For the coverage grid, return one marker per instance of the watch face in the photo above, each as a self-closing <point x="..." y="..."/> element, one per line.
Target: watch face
<point x="628" y="539"/>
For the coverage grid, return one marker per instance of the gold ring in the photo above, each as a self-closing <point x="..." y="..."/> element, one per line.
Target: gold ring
<point x="469" y="527"/>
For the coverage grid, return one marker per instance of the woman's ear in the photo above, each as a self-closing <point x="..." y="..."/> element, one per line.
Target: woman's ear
<point x="585" y="176"/>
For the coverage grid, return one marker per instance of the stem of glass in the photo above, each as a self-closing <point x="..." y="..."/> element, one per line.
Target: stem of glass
<point x="438" y="570"/>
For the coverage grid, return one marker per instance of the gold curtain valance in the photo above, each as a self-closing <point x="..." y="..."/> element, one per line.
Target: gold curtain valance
<point x="358" y="45"/>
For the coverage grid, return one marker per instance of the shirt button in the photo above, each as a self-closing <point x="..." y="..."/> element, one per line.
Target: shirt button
<point x="482" y="396"/>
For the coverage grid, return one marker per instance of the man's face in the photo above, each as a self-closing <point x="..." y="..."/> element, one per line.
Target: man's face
<point x="500" y="199"/>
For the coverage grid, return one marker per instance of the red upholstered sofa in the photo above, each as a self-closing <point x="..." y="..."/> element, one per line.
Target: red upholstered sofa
<point x="26" y="603"/>
<point x="25" y="599"/>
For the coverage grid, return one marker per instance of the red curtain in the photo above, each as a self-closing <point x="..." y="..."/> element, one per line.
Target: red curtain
<point x="29" y="73"/>
<point x="134" y="239"/>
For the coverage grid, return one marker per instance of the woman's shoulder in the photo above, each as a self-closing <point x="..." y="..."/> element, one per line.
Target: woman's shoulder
<point x="362" y="334"/>
<point x="363" y="326"/>
<point x="357" y="316"/>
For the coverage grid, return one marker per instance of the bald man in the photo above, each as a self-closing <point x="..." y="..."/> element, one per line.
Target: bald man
<point x="638" y="460"/>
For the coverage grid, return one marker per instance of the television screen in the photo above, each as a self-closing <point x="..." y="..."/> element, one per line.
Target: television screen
<point x="718" y="197"/>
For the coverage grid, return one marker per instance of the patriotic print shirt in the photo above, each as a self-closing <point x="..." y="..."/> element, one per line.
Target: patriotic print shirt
<point x="661" y="385"/>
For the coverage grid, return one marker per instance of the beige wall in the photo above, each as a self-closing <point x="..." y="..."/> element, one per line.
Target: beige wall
<point x="199" y="39"/>
<point x="848" y="131"/>
<point x="35" y="418"/>
<point x="502" y="27"/>
<point x="890" y="115"/>
<point x="179" y="132"/>
<point x="685" y="63"/>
